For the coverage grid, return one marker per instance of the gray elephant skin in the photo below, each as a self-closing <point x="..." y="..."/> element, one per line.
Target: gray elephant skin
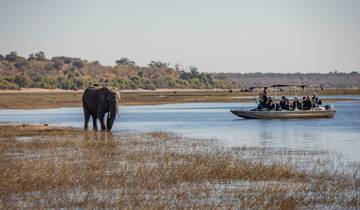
<point x="97" y="101"/>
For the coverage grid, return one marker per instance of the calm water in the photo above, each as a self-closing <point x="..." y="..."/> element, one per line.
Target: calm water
<point x="213" y="120"/>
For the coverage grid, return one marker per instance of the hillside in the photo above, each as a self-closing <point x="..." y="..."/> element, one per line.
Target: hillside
<point x="37" y="71"/>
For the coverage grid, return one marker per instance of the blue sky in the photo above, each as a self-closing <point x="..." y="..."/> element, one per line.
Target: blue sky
<point x="215" y="36"/>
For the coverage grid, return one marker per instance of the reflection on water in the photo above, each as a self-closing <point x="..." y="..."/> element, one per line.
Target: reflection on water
<point x="213" y="120"/>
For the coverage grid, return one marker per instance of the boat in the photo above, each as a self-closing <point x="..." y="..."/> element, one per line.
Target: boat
<point x="319" y="111"/>
<point x="285" y="114"/>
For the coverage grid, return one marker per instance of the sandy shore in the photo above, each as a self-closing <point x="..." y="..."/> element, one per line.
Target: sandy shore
<point x="41" y="90"/>
<point x="44" y="98"/>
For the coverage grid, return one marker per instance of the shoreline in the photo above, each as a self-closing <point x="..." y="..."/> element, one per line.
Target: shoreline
<point x="43" y="98"/>
<point x="348" y="91"/>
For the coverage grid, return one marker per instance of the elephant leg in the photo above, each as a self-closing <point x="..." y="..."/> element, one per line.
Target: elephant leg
<point x="102" y="121"/>
<point x="94" y="123"/>
<point x="100" y="114"/>
<point x="87" y="118"/>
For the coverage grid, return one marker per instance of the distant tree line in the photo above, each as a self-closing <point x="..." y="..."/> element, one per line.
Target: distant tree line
<point x="333" y="79"/>
<point x="38" y="71"/>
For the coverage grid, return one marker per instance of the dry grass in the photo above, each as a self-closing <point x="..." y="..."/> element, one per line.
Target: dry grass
<point x="43" y="99"/>
<point x="45" y="167"/>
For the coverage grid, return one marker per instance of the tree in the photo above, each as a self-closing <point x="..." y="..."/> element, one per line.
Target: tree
<point x="31" y="57"/>
<point x="124" y="61"/>
<point x="40" y="56"/>
<point x="1" y="57"/>
<point x="159" y="64"/>
<point x="78" y="63"/>
<point x="20" y="62"/>
<point x="67" y="60"/>
<point x="194" y="71"/>
<point x="57" y="64"/>
<point x="21" y="80"/>
<point x="11" y="57"/>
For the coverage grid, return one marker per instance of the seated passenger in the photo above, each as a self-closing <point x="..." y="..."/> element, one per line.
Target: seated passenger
<point x="313" y="99"/>
<point x="296" y="104"/>
<point x="287" y="105"/>
<point x="284" y="103"/>
<point x="316" y="101"/>
<point x="307" y="103"/>
<point x="320" y="102"/>
<point x="277" y="107"/>
<point x="270" y="105"/>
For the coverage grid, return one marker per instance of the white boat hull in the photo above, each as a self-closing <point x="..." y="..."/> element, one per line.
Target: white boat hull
<point x="285" y="114"/>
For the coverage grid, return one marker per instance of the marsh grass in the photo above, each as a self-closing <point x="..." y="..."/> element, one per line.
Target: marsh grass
<point x="67" y="168"/>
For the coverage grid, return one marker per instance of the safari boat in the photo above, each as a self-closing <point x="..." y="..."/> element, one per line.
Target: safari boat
<point x="319" y="111"/>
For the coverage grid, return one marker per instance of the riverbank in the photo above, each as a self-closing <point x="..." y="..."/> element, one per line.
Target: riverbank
<point x="43" y="98"/>
<point x="54" y="167"/>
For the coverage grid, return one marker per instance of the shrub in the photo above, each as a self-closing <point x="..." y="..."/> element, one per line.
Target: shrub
<point x="22" y="80"/>
<point x="5" y="85"/>
<point x="11" y="57"/>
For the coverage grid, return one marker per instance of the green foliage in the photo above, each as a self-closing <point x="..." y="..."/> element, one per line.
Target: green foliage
<point x="75" y="73"/>
<point x="64" y="83"/>
<point x="22" y="80"/>
<point x="40" y="56"/>
<point x="148" y="85"/>
<point x="8" y="85"/>
<point x="124" y="61"/>
<point x="11" y="56"/>
<point x="44" y="82"/>
<point x="20" y="62"/>
<point x="159" y="64"/>
<point x="78" y="63"/>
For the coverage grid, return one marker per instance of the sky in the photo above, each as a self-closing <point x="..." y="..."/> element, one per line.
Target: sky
<point x="215" y="36"/>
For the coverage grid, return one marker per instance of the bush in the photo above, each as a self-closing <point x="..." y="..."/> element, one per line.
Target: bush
<point x="6" y="85"/>
<point x="20" y="62"/>
<point x="22" y="80"/>
<point x="148" y="85"/>
<point x="124" y="61"/>
<point x="78" y="63"/>
<point x="48" y="83"/>
<point x="11" y="57"/>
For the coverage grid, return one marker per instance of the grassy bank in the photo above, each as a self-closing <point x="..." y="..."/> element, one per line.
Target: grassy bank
<point x="53" y="99"/>
<point x="47" y="167"/>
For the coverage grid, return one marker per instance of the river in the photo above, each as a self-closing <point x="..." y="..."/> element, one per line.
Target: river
<point x="213" y="120"/>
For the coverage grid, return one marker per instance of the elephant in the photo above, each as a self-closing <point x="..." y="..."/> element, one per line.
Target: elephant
<point x="97" y="101"/>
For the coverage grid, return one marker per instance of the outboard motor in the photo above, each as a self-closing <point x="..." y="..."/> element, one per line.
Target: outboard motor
<point x="329" y="107"/>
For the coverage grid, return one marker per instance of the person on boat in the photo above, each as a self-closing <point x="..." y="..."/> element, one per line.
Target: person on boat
<point x="315" y="101"/>
<point x="262" y="101"/>
<point x="307" y="103"/>
<point x="264" y="95"/>
<point x="284" y="103"/>
<point x="270" y="104"/>
<point x="296" y="104"/>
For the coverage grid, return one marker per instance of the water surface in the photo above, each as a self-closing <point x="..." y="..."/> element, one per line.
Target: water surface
<point x="213" y="120"/>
